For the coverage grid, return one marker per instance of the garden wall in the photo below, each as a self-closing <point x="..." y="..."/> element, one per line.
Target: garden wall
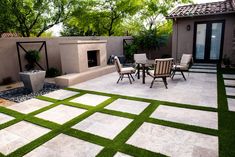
<point x="9" y="64"/>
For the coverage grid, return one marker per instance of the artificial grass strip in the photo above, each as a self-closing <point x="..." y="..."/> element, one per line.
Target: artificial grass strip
<point x="226" y="118"/>
<point x="106" y="152"/>
<point x="118" y="113"/>
<point x="138" y="152"/>
<point x="188" y="106"/>
<point x="11" y="112"/>
<point x="88" y="137"/>
<point x="187" y="127"/>
<point x="1" y="155"/>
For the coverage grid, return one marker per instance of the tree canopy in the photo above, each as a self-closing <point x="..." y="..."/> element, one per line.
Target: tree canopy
<point x="32" y="17"/>
<point x="84" y="17"/>
<point x="118" y="17"/>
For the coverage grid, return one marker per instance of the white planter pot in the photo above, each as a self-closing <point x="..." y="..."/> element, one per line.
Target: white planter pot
<point x="33" y="80"/>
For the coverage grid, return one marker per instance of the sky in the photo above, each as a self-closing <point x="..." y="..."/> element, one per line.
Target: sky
<point x="57" y="28"/>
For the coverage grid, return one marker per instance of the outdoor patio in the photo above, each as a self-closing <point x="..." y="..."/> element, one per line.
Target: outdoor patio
<point x="90" y="119"/>
<point x="200" y="89"/>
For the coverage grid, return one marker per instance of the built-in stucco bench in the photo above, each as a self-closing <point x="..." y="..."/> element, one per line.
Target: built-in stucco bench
<point x="74" y="78"/>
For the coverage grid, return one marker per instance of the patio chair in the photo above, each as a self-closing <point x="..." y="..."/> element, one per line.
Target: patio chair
<point x="141" y="57"/>
<point x="185" y="64"/>
<point x="123" y="71"/>
<point x="162" y="69"/>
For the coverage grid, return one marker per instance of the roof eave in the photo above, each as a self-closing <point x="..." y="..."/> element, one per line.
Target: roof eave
<point x="174" y="17"/>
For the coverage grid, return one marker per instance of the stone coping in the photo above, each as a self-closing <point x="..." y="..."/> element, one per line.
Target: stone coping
<point x="82" y="42"/>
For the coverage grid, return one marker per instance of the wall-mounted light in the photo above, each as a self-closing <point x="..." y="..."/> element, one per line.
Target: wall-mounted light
<point x="188" y="27"/>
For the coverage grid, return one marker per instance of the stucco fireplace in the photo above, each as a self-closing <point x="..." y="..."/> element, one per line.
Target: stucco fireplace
<point x="79" y="56"/>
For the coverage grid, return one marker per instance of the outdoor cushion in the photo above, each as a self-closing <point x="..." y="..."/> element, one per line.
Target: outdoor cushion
<point x="127" y="70"/>
<point x="186" y="59"/>
<point x="180" y="67"/>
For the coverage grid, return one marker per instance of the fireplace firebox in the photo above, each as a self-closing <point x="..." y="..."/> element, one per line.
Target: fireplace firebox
<point x="93" y="58"/>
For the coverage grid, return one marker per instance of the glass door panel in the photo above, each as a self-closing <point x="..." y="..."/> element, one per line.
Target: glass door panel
<point x="200" y="41"/>
<point x="216" y="34"/>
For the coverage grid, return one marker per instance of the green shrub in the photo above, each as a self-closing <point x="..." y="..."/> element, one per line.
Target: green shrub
<point x="52" y="72"/>
<point x="32" y="56"/>
<point x="130" y="50"/>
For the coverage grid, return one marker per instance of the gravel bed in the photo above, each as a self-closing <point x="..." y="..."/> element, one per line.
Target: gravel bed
<point x="21" y="94"/>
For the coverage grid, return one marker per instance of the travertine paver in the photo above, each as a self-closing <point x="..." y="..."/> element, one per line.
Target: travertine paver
<point x="174" y="142"/>
<point x="118" y="154"/>
<point x="61" y="94"/>
<point x="61" y="113"/>
<point x="90" y="99"/>
<point x="64" y="145"/>
<point x="229" y="76"/>
<point x="29" y="105"/>
<point x="5" y="118"/>
<point x="104" y="125"/>
<point x="129" y="106"/>
<point x="187" y="116"/>
<point x="230" y="91"/>
<point x="229" y="82"/>
<point x="19" y="134"/>
<point x="200" y="89"/>
<point x="231" y="104"/>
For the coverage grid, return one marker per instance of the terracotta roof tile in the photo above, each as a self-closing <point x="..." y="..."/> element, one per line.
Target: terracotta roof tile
<point x="220" y="7"/>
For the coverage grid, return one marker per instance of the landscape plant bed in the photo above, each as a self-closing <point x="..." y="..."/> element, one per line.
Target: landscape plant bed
<point x="21" y="94"/>
<point x="225" y="132"/>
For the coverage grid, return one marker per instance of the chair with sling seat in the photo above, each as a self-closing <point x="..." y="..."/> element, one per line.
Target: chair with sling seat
<point x="123" y="71"/>
<point x="162" y="69"/>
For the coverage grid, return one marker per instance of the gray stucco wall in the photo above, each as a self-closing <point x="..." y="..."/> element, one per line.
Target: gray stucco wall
<point x="182" y="40"/>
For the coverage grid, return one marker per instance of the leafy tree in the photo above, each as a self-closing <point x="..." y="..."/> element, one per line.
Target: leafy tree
<point x="101" y="17"/>
<point x="155" y="11"/>
<point x="6" y="19"/>
<point x="34" y="17"/>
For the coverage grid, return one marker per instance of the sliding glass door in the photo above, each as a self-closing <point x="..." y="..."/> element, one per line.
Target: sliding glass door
<point x="208" y="41"/>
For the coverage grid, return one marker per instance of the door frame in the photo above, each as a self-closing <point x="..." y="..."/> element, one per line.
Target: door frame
<point x="208" y="41"/>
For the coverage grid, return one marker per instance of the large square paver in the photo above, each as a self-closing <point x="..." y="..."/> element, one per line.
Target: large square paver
<point x="18" y="135"/>
<point x="174" y="142"/>
<point x="231" y="104"/>
<point x="118" y="154"/>
<point x="64" y="145"/>
<point x="230" y="91"/>
<point x="229" y="76"/>
<point x="5" y="118"/>
<point x="129" y="106"/>
<point x="90" y="99"/>
<point x="104" y="125"/>
<point x="229" y="82"/>
<point x="61" y="114"/>
<point x="29" y="105"/>
<point x="187" y="116"/>
<point x="61" y="94"/>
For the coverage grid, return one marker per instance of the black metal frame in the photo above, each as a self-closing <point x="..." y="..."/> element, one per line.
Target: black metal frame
<point x="129" y="76"/>
<point x="208" y="41"/>
<point x="19" y="45"/>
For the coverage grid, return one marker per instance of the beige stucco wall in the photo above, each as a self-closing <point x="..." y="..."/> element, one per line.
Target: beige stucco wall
<point x="9" y="65"/>
<point x="73" y="54"/>
<point x="185" y="38"/>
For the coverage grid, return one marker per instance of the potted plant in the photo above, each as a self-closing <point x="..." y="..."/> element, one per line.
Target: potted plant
<point x="33" y="79"/>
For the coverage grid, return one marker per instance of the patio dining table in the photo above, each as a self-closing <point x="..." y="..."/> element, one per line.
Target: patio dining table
<point x="144" y="64"/>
